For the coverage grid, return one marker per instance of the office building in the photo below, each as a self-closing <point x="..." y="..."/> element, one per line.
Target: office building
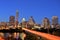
<point x="54" y="21"/>
<point x="12" y="20"/>
<point x="46" y="23"/>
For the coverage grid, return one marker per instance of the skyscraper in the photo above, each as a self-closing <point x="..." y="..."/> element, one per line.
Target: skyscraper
<point x="55" y="21"/>
<point x="31" y="21"/>
<point x="12" y="20"/>
<point x="46" y="23"/>
<point x="16" y="18"/>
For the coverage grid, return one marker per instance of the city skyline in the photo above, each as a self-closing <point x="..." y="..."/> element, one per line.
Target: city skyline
<point x="38" y="9"/>
<point x="29" y="19"/>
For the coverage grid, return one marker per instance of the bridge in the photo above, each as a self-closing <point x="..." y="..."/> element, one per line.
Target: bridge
<point x="44" y="35"/>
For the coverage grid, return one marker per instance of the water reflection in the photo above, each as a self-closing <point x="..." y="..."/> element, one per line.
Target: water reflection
<point x="12" y="36"/>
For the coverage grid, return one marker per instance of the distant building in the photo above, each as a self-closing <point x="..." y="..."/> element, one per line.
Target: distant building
<point x="46" y="23"/>
<point x="7" y="23"/>
<point x="31" y="22"/>
<point x="52" y="26"/>
<point x="23" y="19"/>
<point x="54" y="21"/>
<point x="16" y="18"/>
<point x="37" y="26"/>
<point x="12" y="20"/>
<point x="24" y="22"/>
<point x="3" y="24"/>
<point x="58" y="26"/>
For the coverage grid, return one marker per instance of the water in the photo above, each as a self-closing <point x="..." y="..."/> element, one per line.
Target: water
<point x="10" y="36"/>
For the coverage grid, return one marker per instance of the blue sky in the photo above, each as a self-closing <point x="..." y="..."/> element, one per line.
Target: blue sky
<point x="36" y="8"/>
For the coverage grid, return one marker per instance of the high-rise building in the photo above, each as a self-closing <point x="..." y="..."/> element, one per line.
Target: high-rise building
<point x="54" y="20"/>
<point x="16" y="18"/>
<point x="31" y="21"/>
<point x="24" y="22"/>
<point x="12" y="20"/>
<point x="46" y="23"/>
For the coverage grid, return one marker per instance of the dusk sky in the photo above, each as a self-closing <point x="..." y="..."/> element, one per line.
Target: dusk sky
<point x="36" y="8"/>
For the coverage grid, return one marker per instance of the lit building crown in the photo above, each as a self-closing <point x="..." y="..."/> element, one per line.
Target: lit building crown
<point x="23" y="20"/>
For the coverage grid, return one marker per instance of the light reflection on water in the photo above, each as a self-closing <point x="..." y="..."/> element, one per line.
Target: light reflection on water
<point x="12" y="35"/>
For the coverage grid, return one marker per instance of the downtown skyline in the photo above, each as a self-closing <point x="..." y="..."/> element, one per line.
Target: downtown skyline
<point x="36" y="8"/>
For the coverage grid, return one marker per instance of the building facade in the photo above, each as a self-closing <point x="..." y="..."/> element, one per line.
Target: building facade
<point x="12" y="20"/>
<point x="46" y="23"/>
<point x="54" y="21"/>
<point x="31" y="22"/>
